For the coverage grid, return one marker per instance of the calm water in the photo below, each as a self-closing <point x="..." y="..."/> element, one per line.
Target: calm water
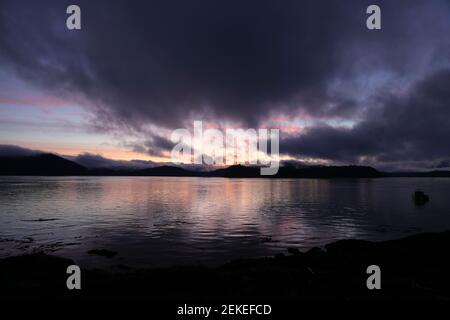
<point x="152" y="221"/>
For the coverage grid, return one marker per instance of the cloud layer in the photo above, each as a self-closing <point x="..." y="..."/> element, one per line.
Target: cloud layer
<point x="161" y="64"/>
<point x="413" y="127"/>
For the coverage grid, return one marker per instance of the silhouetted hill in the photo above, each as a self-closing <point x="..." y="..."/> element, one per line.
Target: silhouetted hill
<point x="53" y="165"/>
<point x="42" y="165"/>
<point x="330" y="172"/>
<point x="110" y="172"/>
<point x="239" y="171"/>
<point x="167" y="171"/>
<point x="236" y="171"/>
<point x="430" y="174"/>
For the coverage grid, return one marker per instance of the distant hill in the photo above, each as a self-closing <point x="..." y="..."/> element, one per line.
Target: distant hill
<point x="167" y="171"/>
<point x="41" y="164"/>
<point x="239" y="171"/>
<point x="52" y="165"/>
<point x="330" y="172"/>
<point x="236" y="171"/>
<point x="429" y="174"/>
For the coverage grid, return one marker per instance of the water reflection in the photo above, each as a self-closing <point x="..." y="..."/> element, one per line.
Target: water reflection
<point x="160" y="221"/>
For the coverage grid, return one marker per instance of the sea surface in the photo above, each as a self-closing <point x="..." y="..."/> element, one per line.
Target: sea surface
<point x="160" y="221"/>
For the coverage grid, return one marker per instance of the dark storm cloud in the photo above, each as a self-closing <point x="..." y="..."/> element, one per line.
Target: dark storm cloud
<point x="154" y="145"/>
<point x="412" y="126"/>
<point x="163" y="63"/>
<point x="443" y="164"/>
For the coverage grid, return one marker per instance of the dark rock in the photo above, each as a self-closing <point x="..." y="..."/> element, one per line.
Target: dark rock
<point x="420" y="198"/>
<point x="294" y="251"/>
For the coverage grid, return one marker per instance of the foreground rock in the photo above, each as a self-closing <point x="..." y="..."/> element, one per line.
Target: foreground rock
<point x="413" y="267"/>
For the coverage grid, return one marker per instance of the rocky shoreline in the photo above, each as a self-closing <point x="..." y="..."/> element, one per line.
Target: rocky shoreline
<point x="415" y="267"/>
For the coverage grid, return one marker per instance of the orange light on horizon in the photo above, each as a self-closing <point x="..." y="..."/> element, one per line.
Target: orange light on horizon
<point x="108" y="152"/>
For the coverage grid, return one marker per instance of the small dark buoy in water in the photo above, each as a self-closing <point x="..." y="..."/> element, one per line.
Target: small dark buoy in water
<point x="420" y="198"/>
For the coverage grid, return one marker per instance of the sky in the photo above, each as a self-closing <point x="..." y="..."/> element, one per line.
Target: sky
<point x="137" y="70"/>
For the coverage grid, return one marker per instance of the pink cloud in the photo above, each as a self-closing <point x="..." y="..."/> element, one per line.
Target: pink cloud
<point x="37" y="101"/>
